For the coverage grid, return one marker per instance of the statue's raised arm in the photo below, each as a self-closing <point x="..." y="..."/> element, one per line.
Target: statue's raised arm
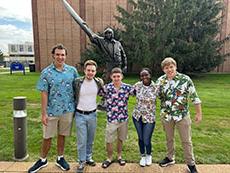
<point x="78" y="19"/>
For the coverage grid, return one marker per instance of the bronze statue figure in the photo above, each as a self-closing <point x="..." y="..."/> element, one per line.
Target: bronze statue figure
<point x="115" y="54"/>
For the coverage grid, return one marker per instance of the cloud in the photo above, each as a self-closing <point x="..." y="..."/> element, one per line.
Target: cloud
<point x="13" y="34"/>
<point x="19" y="10"/>
<point x="15" y="22"/>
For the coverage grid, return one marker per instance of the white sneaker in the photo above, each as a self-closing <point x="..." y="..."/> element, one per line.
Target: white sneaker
<point x="143" y="161"/>
<point x="148" y="160"/>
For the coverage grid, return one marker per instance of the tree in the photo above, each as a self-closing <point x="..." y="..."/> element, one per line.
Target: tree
<point x="183" y="29"/>
<point x="1" y="56"/>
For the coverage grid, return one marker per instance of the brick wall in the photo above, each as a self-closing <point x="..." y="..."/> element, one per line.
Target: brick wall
<point x="52" y="24"/>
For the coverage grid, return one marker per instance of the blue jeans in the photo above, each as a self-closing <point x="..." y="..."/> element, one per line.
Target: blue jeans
<point x="86" y="127"/>
<point x="144" y="131"/>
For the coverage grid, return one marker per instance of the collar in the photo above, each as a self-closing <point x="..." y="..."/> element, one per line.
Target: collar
<point x="64" y="67"/>
<point x="112" y="40"/>
<point x="121" y="87"/>
<point x="83" y="78"/>
<point x="151" y="84"/>
<point x="176" y="77"/>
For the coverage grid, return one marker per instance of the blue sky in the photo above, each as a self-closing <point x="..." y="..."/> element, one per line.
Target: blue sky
<point x="15" y="22"/>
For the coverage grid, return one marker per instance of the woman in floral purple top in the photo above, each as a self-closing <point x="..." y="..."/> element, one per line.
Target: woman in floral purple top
<point x="144" y="114"/>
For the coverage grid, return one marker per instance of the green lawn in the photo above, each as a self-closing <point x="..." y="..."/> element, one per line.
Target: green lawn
<point x="211" y="138"/>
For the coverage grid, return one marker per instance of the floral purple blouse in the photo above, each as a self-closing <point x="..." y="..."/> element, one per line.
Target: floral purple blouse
<point x="145" y="107"/>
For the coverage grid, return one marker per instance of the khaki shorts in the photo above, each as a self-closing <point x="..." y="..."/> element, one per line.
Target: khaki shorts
<point x="114" y="131"/>
<point x="60" y="125"/>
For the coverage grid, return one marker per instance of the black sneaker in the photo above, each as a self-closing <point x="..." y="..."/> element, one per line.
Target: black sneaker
<point x="90" y="162"/>
<point x="166" y="161"/>
<point x="81" y="167"/>
<point x="62" y="164"/>
<point x="37" y="166"/>
<point x="192" y="169"/>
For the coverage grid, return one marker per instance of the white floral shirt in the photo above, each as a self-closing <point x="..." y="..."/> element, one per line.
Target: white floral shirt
<point x="174" y="95"/>
<point x="145" y="107"/>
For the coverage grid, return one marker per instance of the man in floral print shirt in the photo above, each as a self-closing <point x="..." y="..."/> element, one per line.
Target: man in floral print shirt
<point x="116" y="95"/>
<point x="57" y="106"/>
<point x="175" y="90"/>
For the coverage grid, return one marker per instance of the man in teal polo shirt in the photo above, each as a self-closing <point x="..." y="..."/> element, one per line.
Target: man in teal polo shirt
<point x="57" y="106"/>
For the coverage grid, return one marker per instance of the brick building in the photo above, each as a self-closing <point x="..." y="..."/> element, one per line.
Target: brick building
<point x="52" y="24"/>
<point x="225" y="35"/>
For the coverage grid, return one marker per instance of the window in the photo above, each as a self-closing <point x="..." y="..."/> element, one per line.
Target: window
<point x="30" y="48"/>
<point x="13" y="48"/>
<point x="21" y="48"/>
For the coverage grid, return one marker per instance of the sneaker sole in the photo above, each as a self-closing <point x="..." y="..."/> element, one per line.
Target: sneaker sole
<point x="58" y="165"/>
<point x="80" y="171"/>
<point x="167" y="164"/>
<point x="90" y="164"/>
<point x="148" y="164"/>
<point x="39" y="168"/>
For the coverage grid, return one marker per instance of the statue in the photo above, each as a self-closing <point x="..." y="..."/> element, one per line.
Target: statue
<point x="115" y="54"/>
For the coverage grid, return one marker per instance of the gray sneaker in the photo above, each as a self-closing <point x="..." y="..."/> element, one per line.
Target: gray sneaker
<point x="81" y="167"/>
<point x="37" y="166"/>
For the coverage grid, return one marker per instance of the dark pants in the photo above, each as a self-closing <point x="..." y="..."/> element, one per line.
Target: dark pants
<point x="144" y="131"/>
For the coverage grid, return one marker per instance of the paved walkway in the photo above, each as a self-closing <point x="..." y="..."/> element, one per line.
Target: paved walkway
<point x="19" y="167"/>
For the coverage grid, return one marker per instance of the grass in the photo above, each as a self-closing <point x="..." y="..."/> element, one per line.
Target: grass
<point x="211" y="138"/>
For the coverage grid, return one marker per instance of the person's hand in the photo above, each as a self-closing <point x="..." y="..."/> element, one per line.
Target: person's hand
<point x="44" y="119"/>
<point x="198" y="118"/>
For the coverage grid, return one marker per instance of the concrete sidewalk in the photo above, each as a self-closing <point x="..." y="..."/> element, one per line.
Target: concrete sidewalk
<point x="18" y="167"/>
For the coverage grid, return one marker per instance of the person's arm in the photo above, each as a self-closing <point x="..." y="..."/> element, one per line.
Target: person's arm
<point x="158" y="88"/>
<point x="198" y="116"/>
<point x="44" y="102"/>
<point x="195" y="99"/>
<point x="102" y="91"/>
<point x="133" y="90"/>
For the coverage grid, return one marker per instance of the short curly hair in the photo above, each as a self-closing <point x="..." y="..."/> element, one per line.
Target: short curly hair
<point x="59" y="46"/>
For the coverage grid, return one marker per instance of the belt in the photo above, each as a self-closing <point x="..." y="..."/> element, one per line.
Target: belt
<point x="86" y="112"/>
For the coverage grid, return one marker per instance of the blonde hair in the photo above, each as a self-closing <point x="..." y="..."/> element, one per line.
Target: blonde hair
<point x="167" y="61"/>
<point x="90" y="62"/>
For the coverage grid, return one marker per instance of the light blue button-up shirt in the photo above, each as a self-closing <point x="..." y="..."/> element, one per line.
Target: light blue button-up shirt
<point x="59" y="86"/>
